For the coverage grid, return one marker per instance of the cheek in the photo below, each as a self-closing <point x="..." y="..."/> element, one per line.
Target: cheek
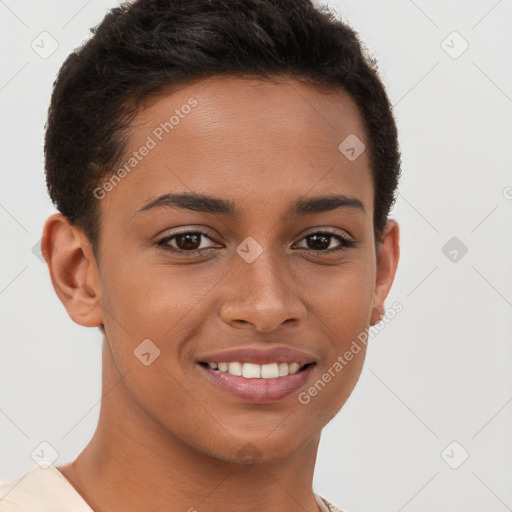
<point x="141" y="292"/>
<point x="342" y="296"/>
<point x="343" y="304"/>
<point x="155" y="301"/>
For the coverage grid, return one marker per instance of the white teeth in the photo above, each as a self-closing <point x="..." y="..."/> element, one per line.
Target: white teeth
<point x="257" y="371"/>
<point x="269" y="371"/>
<point x="283" y="370"/>
<point x="294" y="367"/>
<point x="251" y="371"/>
<point x="235" y="368"/>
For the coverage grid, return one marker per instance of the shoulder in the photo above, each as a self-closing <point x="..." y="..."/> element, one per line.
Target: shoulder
<point x="330" y="506"/>
<point x="41" y="489"/>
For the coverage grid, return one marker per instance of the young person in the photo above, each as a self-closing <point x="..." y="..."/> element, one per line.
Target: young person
<point x="223" y="172"/>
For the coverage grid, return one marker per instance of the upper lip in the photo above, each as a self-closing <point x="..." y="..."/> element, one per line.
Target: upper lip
<point x="259" y="355"/>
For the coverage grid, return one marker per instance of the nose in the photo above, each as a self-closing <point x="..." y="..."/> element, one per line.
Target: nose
<point x="260" y="295"/>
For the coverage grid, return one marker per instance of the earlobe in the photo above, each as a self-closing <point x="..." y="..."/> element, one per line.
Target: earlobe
<point x="377" y="314"/>
<point x="387" y="263"/>
<point x="73" y="270"/>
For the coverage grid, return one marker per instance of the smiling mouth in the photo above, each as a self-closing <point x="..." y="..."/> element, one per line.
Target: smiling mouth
<point x="257" y="371"/>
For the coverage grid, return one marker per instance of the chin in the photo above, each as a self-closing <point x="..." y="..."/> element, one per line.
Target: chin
<point x="259" y="450"/>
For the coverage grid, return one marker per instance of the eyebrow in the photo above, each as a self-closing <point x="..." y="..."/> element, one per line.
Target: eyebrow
<point x="218" y="206"/>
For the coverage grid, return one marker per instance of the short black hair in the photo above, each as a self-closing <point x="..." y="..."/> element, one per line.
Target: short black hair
<point x="146" y="47"/>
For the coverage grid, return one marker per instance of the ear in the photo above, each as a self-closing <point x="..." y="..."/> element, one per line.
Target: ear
<point x="73" y="270"/>
<point x="388" y="254"/>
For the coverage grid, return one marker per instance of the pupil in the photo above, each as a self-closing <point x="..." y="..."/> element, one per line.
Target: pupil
<point x="325" y="245"/>
<point x="187" y="237"/>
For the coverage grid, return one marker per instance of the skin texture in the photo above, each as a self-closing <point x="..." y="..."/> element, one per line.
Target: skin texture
<point x="166" y="435"/>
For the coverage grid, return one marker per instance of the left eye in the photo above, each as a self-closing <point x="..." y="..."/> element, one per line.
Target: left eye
<point x="320" y="239"/>
<point x="189" y="242"/>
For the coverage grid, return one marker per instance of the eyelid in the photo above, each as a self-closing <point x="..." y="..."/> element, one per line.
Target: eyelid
<point x="311" y="231"/>
<point x="331" y="231"/>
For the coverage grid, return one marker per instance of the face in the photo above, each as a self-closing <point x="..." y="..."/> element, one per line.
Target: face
<point x="240" y="241"/>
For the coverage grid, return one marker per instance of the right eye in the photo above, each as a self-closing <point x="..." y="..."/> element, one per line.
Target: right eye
<point x="187" y="243"/>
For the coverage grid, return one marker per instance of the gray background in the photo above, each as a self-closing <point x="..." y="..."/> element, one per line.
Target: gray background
<point x="439" y="372"/>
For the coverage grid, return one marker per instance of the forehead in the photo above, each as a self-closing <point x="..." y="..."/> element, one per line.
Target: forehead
<point x="244" y="137"/>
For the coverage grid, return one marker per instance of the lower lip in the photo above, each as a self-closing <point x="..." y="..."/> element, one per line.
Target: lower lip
<point x="258" y="390"/>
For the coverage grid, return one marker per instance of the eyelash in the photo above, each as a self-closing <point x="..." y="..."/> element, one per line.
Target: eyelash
<point x="346" y="243"/>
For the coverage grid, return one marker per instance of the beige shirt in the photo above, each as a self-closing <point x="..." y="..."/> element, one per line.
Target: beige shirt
<point x="47" y="490"/>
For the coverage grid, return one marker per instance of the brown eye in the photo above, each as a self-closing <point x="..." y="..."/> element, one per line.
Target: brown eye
<point x="320" y="242"/>
<point x="186" y="242"/>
